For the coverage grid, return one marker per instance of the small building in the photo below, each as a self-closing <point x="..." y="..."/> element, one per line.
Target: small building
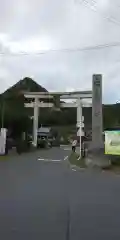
<point x="44" y="132"/>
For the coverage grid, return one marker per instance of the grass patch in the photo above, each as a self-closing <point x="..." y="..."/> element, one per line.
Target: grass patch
<point x="3" y="157"/>
<point x="115" y="164"/>
<point x="73" y="159"/>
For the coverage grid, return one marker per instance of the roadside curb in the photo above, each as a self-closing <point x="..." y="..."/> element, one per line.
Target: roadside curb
<point x="94" y="169"/>
<point x="78" y="168"/>
<point x="75" y="167"/>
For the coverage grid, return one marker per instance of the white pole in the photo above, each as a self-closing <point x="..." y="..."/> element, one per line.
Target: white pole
<point x="79" y="121"/>
<point x="35" y="122"/>
<point x="80" y="127"/>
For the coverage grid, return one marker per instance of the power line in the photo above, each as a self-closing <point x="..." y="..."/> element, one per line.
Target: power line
<point x="88" y="48"/>
<point x="116" y="5"/>
<point x="69" y="50"/>
<point x="109" y="18"/>
<point x="94" y="8"/>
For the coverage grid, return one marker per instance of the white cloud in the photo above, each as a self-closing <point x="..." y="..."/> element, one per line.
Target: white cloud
<point x="34" y="26"/>
<point x="34" y="44"/>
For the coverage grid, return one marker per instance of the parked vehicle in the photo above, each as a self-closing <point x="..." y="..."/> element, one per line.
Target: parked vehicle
<point x="41" y="142"/>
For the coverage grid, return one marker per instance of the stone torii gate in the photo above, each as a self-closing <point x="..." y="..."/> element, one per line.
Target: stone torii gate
<point x="79" y="103"/>
<point x="79" y="97"/>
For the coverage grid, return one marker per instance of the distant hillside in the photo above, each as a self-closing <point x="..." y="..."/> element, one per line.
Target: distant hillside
<point x="12" y="107"/>
<point x="27" y="84"/>
<point x="12" y="102"/>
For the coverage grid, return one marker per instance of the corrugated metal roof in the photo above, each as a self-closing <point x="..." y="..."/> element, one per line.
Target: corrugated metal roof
<point x="44" y="130"/>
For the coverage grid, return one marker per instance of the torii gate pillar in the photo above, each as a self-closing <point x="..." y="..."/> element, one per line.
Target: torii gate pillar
<point x="35" y="122"/>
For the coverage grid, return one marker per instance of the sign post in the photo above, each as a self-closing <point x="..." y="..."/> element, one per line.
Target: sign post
<point x="79" y="121"/>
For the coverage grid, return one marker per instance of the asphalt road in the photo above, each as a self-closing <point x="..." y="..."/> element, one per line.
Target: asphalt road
<point x="47" y="200"/>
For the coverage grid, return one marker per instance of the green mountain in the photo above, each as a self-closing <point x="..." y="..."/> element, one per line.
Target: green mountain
<point x="27" y="84"/>
<point x="12" y="110"/>
<point x="13" y="114"/>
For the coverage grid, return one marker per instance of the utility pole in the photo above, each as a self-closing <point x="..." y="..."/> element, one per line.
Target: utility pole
<point x="3" y="113"/>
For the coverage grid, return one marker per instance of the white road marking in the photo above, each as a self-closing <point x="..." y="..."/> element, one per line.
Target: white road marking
<point x="65" y="158"/>
<point x="49" y="160"/>
<point x="63" y="145"/>
<point x="74" y="170"/>
<point x="56" y="160"/>
<point x="67" y="149"/>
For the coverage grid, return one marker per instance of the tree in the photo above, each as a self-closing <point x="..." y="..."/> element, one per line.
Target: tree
<point x="13" y="113"/>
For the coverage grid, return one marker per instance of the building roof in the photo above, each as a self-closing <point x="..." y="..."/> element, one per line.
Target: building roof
<point x="44" y="130"/>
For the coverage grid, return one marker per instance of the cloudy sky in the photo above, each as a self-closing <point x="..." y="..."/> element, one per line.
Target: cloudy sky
<point x="36" y="27"/>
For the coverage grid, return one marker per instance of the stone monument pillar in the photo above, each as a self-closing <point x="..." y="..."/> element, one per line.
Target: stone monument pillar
<point x="97" y="118"/>
<point x="96" y="151"/>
